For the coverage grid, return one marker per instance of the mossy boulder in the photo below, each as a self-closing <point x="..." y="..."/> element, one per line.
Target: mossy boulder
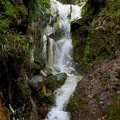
<point x="46" y="99"/>
<point x="55" y="81"/>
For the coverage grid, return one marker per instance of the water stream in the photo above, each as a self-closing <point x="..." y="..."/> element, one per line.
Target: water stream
<point x="60" y="57"/>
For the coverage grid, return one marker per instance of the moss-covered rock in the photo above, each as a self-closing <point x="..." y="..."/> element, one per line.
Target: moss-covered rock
<point x="36" y="83"/>
<point x="91" y="40"/>
<point x="24" y="93"/>
<point x="55" y="81"/>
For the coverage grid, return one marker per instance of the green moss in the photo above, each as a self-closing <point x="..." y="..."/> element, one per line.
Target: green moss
<point x="10" y="8"/>
<point x="53" y="82"/>
<point x="113" y="113"/>
<point x="22" y="9"/>
<point x="24" y="93"/>
<point x="92" y="41"/>
<point x="104" y="80"/>
<point x="42" y="112"/>
<point x="78" y="1"/>
<point x="38" y="7"/>
<point x="56" y="25"/>
<point x="51" y="99"/>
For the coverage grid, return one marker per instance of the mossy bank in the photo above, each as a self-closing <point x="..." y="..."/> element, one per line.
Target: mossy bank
<point x="96" y="35"/>
<point x="96" y="41"/>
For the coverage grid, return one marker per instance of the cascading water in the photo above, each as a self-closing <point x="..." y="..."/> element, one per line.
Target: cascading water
<point x="60" y="57"/>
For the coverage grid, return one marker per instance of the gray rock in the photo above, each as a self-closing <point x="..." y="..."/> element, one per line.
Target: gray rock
<point x="36" y="83"/>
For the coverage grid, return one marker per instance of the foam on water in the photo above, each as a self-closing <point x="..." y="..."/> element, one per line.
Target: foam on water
<point x="62" y="58"/>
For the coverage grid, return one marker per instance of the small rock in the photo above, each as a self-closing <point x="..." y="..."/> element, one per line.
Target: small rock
<point x="101" y="28"/>
<point x="118" y="32"/>
<point x="101" y="102"/>
<point x="90" y="96"/>
<point x="36" y="83"/>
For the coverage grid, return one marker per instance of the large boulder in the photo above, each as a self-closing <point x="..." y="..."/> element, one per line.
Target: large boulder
<point x="55" y="81"/>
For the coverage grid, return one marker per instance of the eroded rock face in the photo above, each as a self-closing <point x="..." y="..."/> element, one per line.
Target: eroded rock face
<point x="53" y="82"/>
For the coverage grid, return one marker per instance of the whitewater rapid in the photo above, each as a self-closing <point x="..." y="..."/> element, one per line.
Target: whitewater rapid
<point x="61" y="56"/>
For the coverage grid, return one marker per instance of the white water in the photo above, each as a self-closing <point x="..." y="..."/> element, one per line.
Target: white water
<point x="61" y="56"/>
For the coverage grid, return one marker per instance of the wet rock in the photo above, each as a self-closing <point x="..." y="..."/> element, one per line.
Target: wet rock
<point x="58" y="34"/>
<point x="56" y="68"/>
<point x="37" y="69"/>
<point x="36" y="83"/>
<point x="47" y="70"/>
<point x="45" y="98"/>
<point x="55" y="81"/>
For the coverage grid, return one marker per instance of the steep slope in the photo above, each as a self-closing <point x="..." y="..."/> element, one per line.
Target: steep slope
<point x="96" y="39"/>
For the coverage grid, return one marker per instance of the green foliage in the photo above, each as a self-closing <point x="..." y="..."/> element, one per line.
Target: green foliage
<point x="41" y="95"/>
<point x="10" y="9"/>
<point x="44" y="4"/>
<point x="38" y="7"/>
<point x="113" y="113"/>
<point x="98" y="32"/>
<point x="21" y="94"/>
<point x="56" y="25"/>
<point x="11" y="16"/>
<point x="78" y="1"/>
<point x="51" y="99"/>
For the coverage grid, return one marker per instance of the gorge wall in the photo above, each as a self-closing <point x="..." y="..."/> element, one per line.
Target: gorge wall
<point x="96" y="40"/>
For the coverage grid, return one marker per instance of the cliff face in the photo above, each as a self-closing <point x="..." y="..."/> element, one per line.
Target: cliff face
<point x="96" y="42"/>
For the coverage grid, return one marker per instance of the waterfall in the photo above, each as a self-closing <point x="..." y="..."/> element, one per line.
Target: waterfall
<point x="59" y="54"/>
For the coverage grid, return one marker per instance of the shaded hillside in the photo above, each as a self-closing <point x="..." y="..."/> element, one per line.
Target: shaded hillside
<point x="96" y="39"/>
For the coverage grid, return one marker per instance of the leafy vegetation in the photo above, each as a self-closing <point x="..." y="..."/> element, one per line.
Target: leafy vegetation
<point x="113" y="112"/>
